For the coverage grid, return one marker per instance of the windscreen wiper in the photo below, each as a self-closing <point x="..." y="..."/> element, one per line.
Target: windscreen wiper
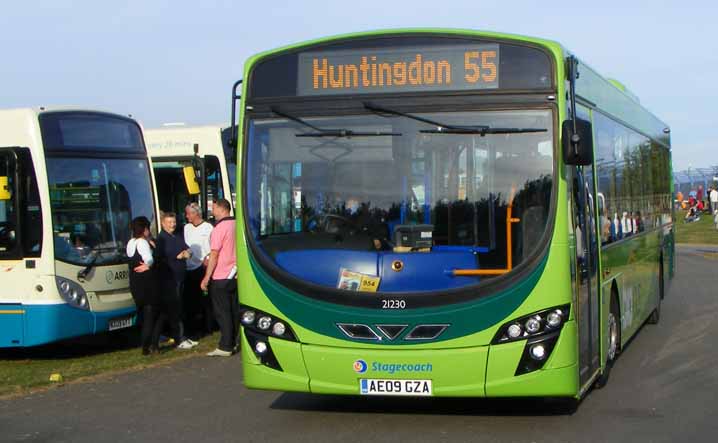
<point x="442" y="128"/>
<point x="483" y="131"/>
<point x="340" y="133"/>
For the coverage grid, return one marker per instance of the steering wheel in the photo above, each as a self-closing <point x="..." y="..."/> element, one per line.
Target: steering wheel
<point x="331" y="223"/>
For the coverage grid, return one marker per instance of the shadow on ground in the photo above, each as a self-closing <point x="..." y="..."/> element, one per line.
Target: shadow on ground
<point x="77" y="347"/>
<point x="430" y="406"/>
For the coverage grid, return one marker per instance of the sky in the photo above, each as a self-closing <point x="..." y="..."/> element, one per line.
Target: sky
<point x="176" y="61"/>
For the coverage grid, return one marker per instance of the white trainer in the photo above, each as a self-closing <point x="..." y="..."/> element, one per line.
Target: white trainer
<point x="219" y="353"/>
<point x="186" y="344"/>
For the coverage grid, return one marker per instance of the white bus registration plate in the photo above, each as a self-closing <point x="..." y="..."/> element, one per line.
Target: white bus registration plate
<point x="120" y="323"/>
<point x="374" y="386"/>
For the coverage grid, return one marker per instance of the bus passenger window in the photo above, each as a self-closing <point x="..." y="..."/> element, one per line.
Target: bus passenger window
<point x="8" y="207"/>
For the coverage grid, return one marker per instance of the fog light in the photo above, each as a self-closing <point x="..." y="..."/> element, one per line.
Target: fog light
<point x="279" y="328"/>
<point x="514" y="331"/>
<point x="260" y="347"/>
<point x="538" y="352"/>
<point x="533" y="325"/>
<point x="264" y="323"/>
<point x="248" y="317"/>
<point x="554" y="319"/>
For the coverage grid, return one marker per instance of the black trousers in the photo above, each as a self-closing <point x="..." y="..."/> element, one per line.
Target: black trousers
<point x="171" y="311"/>
<point x="148" y="318"/>
<point x="226" y="311"/>
<point x="198" y="312"/>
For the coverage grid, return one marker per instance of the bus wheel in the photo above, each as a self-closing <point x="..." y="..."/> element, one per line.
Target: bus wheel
<point x="614" y="342"/>
<point x="656" y="314"/>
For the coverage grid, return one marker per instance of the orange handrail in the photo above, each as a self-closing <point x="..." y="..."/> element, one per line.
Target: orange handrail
<point x="510" y="219"/>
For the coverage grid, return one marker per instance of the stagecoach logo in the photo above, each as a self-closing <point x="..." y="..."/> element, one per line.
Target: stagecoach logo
<point x="111" y="276"/>
<point x="360" y="366"/>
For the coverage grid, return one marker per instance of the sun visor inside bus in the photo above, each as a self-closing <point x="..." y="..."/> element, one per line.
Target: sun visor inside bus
<point x="190" y="180"/>
<point x="4" y="189"/>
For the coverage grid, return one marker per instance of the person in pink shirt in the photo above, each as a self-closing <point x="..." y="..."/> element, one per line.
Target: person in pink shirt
<point x="220" y="278"/>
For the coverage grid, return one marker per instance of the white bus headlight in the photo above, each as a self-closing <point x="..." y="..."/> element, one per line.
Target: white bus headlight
<point x="264" y="323"/>
<point x="514" y="331"/>
<point x="248" y="317"/>
<point x="72" y="293"/>
<point x="554" y="319"/>
<point x="278" y="328"/>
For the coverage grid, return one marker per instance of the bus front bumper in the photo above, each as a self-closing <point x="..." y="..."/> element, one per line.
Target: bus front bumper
<point x="481" y="371"/>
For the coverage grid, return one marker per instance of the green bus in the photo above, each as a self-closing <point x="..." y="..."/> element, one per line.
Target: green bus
<point x="444" y="213"/>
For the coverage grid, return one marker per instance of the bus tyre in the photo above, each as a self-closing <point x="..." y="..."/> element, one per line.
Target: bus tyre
<point x="614" y="342"/>
<point x="655" y="316"/>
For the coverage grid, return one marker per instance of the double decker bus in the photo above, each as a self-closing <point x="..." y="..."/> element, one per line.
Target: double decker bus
<point x="191" y="164"/>
<point x="71" y="181"/>
<point x="444" y="213"/>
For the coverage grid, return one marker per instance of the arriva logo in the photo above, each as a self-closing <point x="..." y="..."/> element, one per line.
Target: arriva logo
<point x="360" y="366"/>
<point x="113" y="276"/>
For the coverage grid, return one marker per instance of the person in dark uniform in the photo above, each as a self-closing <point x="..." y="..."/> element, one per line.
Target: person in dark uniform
<point x="172" y="254"/>
<point x="143" y="284"/>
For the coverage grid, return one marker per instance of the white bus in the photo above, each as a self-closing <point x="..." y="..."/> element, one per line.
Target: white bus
<point x="70" y="183"/>
<point x="176" y="151"/>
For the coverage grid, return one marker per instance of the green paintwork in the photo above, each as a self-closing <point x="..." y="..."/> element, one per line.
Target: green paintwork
<point x="463" y="362"/>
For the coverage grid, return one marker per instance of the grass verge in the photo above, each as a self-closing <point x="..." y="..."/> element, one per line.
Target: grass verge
<point x="23" y="369"/>
<point x="702" y="232"/>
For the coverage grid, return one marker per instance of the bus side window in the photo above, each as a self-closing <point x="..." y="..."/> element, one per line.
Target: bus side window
<point x="30" y="208"/>
<point x="8" y="208"/>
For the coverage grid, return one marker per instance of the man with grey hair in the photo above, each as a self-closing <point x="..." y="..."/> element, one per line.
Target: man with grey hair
<point x="196" y="235"/>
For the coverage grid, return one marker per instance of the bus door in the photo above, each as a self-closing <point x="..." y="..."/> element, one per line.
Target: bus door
<point x="181" y="181"/>
<point x="587" y="306"/>
<point x="20" y="240"/>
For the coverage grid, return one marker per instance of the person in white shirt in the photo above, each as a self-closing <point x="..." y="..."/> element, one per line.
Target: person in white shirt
<point x="198" y="309"/>
<point x="714" y="199"/>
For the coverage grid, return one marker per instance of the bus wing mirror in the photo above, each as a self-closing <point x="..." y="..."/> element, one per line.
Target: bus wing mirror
<point x="5" y="193"/>
<point x="190" y="180"/>
<point x="578" y="145"/>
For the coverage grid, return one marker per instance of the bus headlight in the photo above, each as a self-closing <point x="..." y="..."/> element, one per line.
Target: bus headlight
<point x="248" y="317"/>
<point x="72" y="293"/>
<point x="532" y="325"/>
<point x="265" y="324"/>
<point x="554" y="318"/>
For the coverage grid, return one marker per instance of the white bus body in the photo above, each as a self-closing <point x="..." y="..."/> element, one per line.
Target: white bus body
<point x="75" y="180"/>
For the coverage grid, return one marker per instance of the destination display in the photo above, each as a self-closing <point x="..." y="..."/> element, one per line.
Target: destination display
<point x="387" y="70"/>
<point x="400" y="64"/>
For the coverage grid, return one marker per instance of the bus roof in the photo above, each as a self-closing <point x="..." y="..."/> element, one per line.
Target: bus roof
<point x="180" y="140"/>
<point x="607" y="95"/>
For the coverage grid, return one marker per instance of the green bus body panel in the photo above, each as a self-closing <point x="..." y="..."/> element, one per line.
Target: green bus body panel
<point x="454" y="372"/>
<point x="633" y="265"/>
